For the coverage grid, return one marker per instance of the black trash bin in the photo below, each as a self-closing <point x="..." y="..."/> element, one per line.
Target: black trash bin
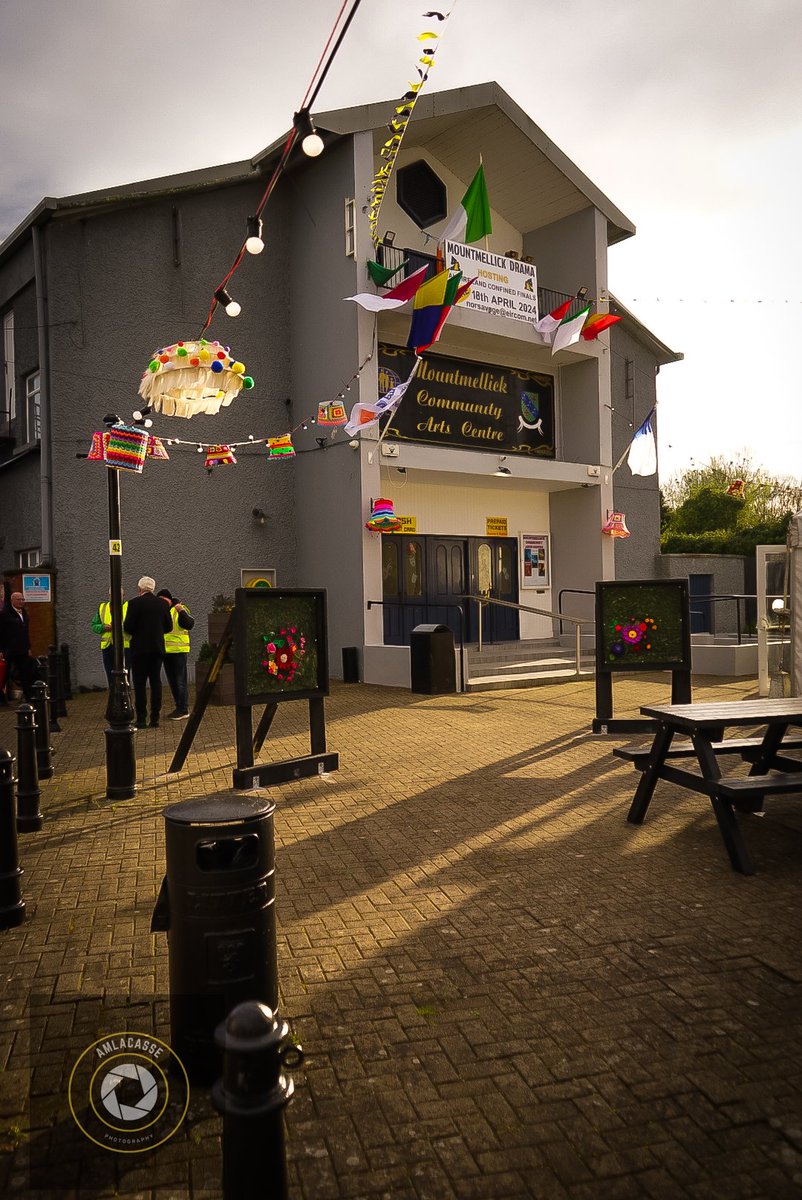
<point x="432" y="663"/>
<point x="350" y="664"/>
<point x="217" y="904"/>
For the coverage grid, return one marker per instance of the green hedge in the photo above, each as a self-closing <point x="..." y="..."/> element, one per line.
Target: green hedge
<point x="727" y="541"/>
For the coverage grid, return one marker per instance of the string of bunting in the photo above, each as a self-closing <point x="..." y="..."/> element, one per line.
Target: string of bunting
<point x="401" y="119"/>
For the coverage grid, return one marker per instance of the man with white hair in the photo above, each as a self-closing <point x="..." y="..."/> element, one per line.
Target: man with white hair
<point x="147" y="621"/>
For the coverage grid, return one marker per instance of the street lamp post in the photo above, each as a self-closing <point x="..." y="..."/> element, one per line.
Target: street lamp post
<point x="120" y="757"/>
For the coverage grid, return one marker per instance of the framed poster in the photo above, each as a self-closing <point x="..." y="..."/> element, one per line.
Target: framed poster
<point x="643" y="625"/>
<point x="535" y="561"/>
<point x="280" y="645"/>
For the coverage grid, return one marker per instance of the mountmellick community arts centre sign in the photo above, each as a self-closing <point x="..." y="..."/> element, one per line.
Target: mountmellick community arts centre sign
<point x="477" y="406"/>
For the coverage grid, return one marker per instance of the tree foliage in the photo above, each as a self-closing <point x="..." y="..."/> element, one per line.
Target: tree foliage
<point x="700" y="517"/>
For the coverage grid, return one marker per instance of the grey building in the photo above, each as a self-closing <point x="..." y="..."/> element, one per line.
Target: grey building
<point x="90" y="285"/>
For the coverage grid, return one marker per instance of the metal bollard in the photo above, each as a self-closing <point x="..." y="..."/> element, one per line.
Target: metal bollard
<point x="29" y="818"/>
<point x="52" y="685"/>
<point x="57" y="688"/>
<point x="12" y="907"/>
<point x="65" y="660"/>
<point x="41" y="704"/>
<point x="251" y="1096"/>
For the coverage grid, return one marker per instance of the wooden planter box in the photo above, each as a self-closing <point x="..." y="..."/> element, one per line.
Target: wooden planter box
<point x="223" y="692"/>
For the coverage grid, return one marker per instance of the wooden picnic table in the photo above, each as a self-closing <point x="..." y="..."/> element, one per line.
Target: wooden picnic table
<point x="771" y="773"/>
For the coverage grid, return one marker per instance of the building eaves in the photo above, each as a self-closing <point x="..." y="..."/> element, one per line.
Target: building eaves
<point x="662" y="353"/>
<point x="438" y="107"/>
<point x="206" y="178"/>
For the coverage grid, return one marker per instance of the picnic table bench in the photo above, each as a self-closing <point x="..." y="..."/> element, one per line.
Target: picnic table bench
<point x="772" y="771"/>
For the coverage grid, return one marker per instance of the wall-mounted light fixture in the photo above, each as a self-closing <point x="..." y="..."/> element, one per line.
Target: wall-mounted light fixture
<point x="389" y="237"/>
<point x="259" y="515"/>
<point x="501" y="469"/>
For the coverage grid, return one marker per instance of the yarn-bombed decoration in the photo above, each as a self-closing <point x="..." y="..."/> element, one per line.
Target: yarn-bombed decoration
<point x="188" y="378"/>
<point x="283" y="652"/>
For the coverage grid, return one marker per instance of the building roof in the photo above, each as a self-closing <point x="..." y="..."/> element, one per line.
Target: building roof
<point x="534" y="183"/>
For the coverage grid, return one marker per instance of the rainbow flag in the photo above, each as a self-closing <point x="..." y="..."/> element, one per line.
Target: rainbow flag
<point x="433" y="302"/>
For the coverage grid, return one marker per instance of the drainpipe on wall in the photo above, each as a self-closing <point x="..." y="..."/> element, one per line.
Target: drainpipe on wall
<point x="46" y="461"/>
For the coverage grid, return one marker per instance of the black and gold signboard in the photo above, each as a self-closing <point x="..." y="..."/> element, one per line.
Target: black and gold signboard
<point x="477" y="406"/>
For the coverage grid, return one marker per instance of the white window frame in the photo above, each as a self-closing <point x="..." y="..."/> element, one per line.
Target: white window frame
<point x="28" y="559"/>
<point x="33" y="407"/>
<point x="350" y="228"/>
<point x="9" y="388"/>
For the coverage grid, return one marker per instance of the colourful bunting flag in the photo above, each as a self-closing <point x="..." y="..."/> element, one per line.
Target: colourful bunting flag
<point x="547" y="325"/>
<point x="433" y="302"/>
<point x="569" y="330"/>
<point x="363" y="416"/>
<point x="381" y="275"/>
<point x="472" y="221"/>
<point x="597" y="324"/>
<point x="642" y="457"/>
<point x="396" y="296"/>
<point x="156" y="448"/>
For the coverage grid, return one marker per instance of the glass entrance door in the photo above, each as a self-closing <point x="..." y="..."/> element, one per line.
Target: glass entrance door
<point x="493" y="571"/>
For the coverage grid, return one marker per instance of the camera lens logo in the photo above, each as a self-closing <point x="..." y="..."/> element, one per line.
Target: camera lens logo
<point x="128" y="1092"/>
<point x="148" y="1088"/>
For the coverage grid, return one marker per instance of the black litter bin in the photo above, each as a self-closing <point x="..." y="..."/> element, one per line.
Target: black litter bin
<point x="432" y="663"/>
<point x="350" y="664"/>
<point x="217" y="904"/>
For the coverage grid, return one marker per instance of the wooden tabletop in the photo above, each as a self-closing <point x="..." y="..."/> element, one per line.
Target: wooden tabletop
<point x="739" y="712"/>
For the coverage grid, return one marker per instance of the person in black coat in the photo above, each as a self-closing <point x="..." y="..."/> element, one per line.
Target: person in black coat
<point x="146" y="622"/>
<point x="15" y="644"/>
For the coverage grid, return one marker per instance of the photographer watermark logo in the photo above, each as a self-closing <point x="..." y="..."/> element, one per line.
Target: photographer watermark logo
<point x="128" y="1092"/>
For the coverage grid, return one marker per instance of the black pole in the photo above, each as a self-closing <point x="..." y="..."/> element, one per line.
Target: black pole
<point x="12" y="908"/>
<point x="29" y="818"/>
<point x="41" y="704"/>
<point x="56" y="674"/>
<point x="52" y="690"/>
<point x="251" y="1096"/>
<point x="120" y="756"/>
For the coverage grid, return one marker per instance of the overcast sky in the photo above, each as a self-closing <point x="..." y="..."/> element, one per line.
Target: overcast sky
<point x="687" y="115"/>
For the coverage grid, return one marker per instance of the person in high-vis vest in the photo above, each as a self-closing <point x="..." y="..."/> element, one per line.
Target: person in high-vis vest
<point x="176" y="654"/>
<point x="101" y="624"/>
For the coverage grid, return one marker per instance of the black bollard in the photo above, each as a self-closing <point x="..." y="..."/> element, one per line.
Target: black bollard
<point x="29" y="818"/>
<point x="41" y="704"/>
<point x="251" y="1096"/>
<point x="52" y="684"/>
<point x="65" y="660"/>
<point x="12" y="907"/>
<point x="57" y="685"/>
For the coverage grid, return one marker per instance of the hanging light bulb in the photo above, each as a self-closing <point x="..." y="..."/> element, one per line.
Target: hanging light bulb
<point x="232" y="307"/>
<point x="253" y="241"/>
<point x="312" y="142"/>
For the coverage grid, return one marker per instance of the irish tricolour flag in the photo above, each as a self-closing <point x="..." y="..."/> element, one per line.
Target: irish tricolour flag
<point x="569" y="330"/>
<point x="471" y="222"/>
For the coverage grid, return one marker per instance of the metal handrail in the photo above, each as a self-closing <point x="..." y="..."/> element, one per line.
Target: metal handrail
<point x="541" y="612"/>
<point x="424" y="604"/>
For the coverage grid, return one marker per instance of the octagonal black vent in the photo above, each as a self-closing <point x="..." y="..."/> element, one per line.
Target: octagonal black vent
<point x="421" y="194"/>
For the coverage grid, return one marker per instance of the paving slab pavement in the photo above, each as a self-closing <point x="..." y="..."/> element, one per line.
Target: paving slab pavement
<point x="502" y="988"/>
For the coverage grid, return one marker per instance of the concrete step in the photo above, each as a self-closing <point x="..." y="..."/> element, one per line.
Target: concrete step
<point x="497" y="683"/>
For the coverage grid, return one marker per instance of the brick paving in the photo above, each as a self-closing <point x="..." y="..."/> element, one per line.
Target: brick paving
<point x="502" y="988"/>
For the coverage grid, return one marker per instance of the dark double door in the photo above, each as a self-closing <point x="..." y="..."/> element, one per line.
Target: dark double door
<point x="424" y="578"/>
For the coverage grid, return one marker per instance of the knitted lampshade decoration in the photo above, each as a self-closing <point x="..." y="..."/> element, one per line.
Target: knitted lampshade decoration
<point x="97" y="450"/>
<point x="219" y="456"/>
<point x="332" y="413"/>
<point x="616" y="526"/>
<point x="280" y="447"/>
<point x="127" y="448"/>
<point x="156" y="448"/>
<point x="188" y="378"/>
<point x="382" y="517"/>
